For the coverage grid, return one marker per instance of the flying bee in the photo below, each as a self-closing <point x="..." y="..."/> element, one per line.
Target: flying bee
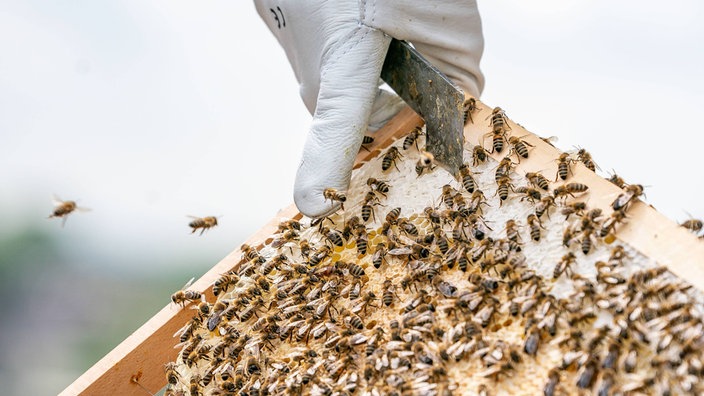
<point x="520" y="147"/>
<point x="366" y="141"/>
<point x="467" y="180"/>
<point x="184" y="296"/>
<point x="563" y="166"/>
<point x="499" y="121"/>
<point x="380" y="186"/>
<point x="390" y="158"/>
<point x="535" y="226"/>
<point x="694" y="225"/>
<point x="333" y="195"/>
<point x="204" y="223"/>
<point x="379" y="253"/>
<point x="469" y="106"/>
<point x="537" y="180"/>
<point x="564" y="265"/>
<point x="479" y="155"/>
<point x="586" y="159"/>
<point x="632" y="191"/>
<point x="425" y="162"/>
<point x="64" y="208"/>
<point x="412" y="138"/>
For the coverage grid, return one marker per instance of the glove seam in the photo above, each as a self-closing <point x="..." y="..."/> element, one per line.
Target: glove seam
<point x="336" y="54"/>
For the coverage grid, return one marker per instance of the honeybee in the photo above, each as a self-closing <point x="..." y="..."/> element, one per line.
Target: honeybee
<point x="321" y="254"/>
<point x="333" y="236"/>
<point x="609" y="225"/>
<point x="366" y="141"/>
<point x="469" y="106"/>
<point x="569" y="189"/>
<point x="520" y="147"/>
<point x="379" y="254"/>
<point x="412" y="138"/>
<point x="529" y="193"/>
<point x="563" y="265"/>
<point x="467" y="180"/>
<point x="333" y="195"/>
<point x="537" y="180"/>
<point x="632" y="191"/>
<point x="587" y="374"/>
<point x="586" y="158"/>
<point x="563" y="166"/>
<point x="172" y="376"/>
<point x="544" y="206"/>
<point x="63" y="209"/>
<point x="390" y="158"/>
<point x="380" y="186"/>
<point x="530" y="347"/>
<point x="504" y="168"/>
<point x="479" y="155"/>
<point x="184" y="296"/>
<point x="573" y="208"/>
<point x="499" y="121"/>
<point x="535" y="226"/>
<point x="392" y="216"/>
<point x="286" y="237"/>
<point x="425" y="162"/>
<point x="694" y="225"/>
<point x="553" y="380"/>
<point x="204" y="223"/>
<point x="512" y="231"/>
<point x="498" y="138"/>
<point x="503" y="188"/>
<point x="617" y="180"/>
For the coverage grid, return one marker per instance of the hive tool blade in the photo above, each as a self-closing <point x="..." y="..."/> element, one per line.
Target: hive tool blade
<point x="433" y="96"/>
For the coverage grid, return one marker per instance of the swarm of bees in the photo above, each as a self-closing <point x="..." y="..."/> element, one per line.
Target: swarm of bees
<point x="497" y="283"/>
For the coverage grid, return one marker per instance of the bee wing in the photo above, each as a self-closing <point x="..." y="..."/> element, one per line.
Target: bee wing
<point x="188" y="284"/>
<point x="400" y="251"/>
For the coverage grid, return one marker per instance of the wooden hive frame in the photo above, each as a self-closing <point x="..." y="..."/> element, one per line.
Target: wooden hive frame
<point x="137" y="363"/>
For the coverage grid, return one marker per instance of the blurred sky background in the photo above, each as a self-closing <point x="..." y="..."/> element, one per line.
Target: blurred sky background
<point x="147" y="111"/>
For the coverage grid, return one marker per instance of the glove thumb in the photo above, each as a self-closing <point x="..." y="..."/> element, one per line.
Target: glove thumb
<point x="348" y="86"/>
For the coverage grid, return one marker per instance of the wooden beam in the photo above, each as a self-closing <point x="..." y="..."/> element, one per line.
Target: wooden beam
<point x="138" y="362"/>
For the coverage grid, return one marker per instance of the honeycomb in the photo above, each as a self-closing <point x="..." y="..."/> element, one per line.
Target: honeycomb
<point x="420" y="286"/>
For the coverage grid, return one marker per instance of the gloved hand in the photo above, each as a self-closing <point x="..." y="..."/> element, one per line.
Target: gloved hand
<point x="337" y="49"/>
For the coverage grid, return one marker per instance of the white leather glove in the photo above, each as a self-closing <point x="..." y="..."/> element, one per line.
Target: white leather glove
<point x="337" y="49"/>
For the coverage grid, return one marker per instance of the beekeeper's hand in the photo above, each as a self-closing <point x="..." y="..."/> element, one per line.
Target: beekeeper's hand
<point x="337" y="49"/>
